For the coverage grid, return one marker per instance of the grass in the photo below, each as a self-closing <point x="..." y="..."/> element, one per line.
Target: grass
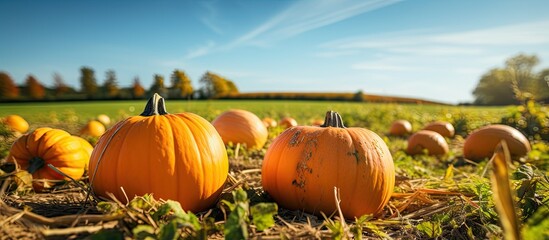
<point x="435" y="197"/>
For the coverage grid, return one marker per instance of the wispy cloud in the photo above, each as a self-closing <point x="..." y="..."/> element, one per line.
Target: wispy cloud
<point x="201" y="50"/>
<point x="208" y="18"/>
<point x="305" y="16"/>
<point x="430" y="43"/>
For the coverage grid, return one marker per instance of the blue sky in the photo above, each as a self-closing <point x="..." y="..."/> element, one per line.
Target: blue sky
<point x="429" y="49"/>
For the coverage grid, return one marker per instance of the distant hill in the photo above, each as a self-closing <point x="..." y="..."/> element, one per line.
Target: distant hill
<point x="328" y="96"/>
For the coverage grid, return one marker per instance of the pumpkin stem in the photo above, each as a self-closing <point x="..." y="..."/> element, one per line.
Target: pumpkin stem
<point x="333" y="119"/>
<point x="35" y="164"/>
<point x="155" y="106"/>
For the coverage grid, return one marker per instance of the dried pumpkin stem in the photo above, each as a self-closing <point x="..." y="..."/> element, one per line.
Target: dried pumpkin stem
<point x="333" y="119"/>
<point x="35" y="163"/>
<point x="155" y="106"/>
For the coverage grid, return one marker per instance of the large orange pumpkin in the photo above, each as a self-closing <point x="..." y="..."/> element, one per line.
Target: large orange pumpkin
<point x="174" y="156"/>
<point x="241" y="126"/>
<point x="304" y="164"/>
<point x="16" y="123"/>
<point x="88" y="147"/>
<point x="428" y="140"/>
<point x="480" y="144"/>
<point x="35" y="150"/>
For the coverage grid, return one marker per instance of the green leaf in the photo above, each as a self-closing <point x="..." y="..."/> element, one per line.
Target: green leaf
<point x="336" y="228"/>
<point x="167" y="208"/>
<point x="431" y="229"/>
<point x="236" y="226"/>
<point x="537" y="226"/>
<point x="144" y="232"/>
<point x="240" y="195"/>
<point x="107" y="207"/>
<point x="169" y="231"/>
<point x="262" y="215"/>
<point x="144" y="202"/>
<point x="107" y="234"/>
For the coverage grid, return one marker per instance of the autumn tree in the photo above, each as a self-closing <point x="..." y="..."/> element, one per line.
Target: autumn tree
<point x="181" y="85"/>
<point x="523" y="79"/>
<point x="495" y="88"/>
<point x="59" y="86"/>
<point x="88" y="81"/>
<point x="158" y="86"/>
<point x="111" y="86"/>
<point x="35" y="89"/>
<point x="542" y="85"/>
<point x="8" y="89"/>
<point x="214" y="86"/>
<point x="138" y="90"/>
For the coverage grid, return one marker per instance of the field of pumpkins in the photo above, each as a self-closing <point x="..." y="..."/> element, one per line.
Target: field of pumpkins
<point x="395" y="171"/>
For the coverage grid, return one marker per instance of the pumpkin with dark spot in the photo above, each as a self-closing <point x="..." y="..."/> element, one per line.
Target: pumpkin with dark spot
<point x="304" y="164"/>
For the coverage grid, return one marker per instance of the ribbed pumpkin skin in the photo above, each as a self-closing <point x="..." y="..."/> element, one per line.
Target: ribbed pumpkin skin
<point x="241" y="126"/>
<point x="400" y="128"/>
<point x="88" y="147"/>
<point x="53" y="146"/>
<point x="17" y="123"/>
<point x="480" y="144"/>
<point x="304" y="164"/>
<point x="174" y="156"/>
<point x="445" y="129"/>
<point x="426" y="139"/>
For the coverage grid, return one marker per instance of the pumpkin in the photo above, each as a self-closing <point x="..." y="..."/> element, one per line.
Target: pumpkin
<point x="269" y="122"/>
<point x="16" y="123"/>
<point x="88" y="147"/>
<point x="241" y="126"/>
<point x="317" y="122"/>
<point x="173" y="156"/>
<point x="428" y="140"/>
<point x="445" y="129"/>
<point x="93" y="128"/>
<point x="34" y="151"/>
<point x="287" y="122"/>
<point x="400" y="128"/>
<point x="480" y="144"/>
<point x="104" y="119"/>
<point x="304" y="164"/>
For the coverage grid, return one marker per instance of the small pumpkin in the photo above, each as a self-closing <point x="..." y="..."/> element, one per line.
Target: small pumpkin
<point x="16" y="123"/>
<point x="104" y="119"/>
<point x="34" y="151"/>
<point x="400" y="128"/>
<point x="269" y="122"/>
<point x="287" y="122"/>
<point x="174" y="156"/>
<point x="93" y="128"/>
<point x="445" y="129"/>
<point x="317" y="122"/>
<point x="304" y="164"/>
<point x="428" y="140"/>
<point x="480" y="144"/>
<point x="241" y="126"/>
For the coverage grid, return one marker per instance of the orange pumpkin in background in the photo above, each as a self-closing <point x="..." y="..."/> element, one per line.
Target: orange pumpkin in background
<point x="287" y="122"/>
<point x="35" y="150"/>
<point x="174" y="156"/>
<point x="481" y="143"/>
<point x="269" y="122"/>
<point x="304" y="164"/>
<point x="241" y="126"/>
<point x="445" y="129"/>
<point x="93" y="128"/>
<point x="431" y="141"/>
<point x="16" y="123"/>
<point x="400" y="128"/>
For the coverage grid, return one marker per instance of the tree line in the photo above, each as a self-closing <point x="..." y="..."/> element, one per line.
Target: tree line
<point x="180" y="87"/>
<point x="515" y="83"/>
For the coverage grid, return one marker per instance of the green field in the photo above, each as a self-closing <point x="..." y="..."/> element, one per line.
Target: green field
<point x="443" y="197"/>
<point x="375" y="116"/>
